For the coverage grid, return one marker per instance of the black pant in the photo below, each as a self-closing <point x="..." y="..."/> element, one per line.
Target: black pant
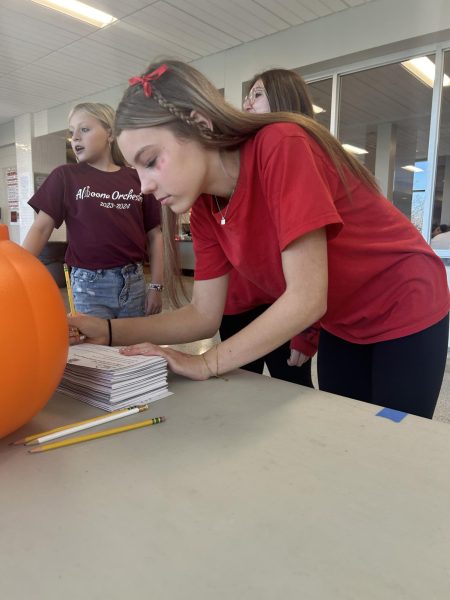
<point x="275" y="360"/>
<point x="404" y="374"/>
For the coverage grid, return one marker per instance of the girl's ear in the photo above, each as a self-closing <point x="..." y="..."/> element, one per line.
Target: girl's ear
<point x="199" y="118"/>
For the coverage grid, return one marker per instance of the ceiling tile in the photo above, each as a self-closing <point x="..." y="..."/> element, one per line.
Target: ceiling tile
<point x="23" y="27"/>
<point x="139" y="42"/>
<point x="61" y="59"/>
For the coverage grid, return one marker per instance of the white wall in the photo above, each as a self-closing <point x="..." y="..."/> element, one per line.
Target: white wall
<point x="7" y="159"/>
<point x="7" y="134"/>
<point x="48" y="152"/>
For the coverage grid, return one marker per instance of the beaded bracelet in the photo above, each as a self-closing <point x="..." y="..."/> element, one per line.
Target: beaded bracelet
<point x="207" y="366"/>
<point x="216" y="374"/>
<point x="155" y="286"/>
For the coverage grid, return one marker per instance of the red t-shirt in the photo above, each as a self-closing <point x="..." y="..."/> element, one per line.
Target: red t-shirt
<point x="384" y="281"/>
<point x="106" y="215"/>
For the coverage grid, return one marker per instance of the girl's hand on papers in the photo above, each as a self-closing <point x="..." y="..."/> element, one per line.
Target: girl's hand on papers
<point x="87" y="329"/>
<point x="188" y="365"/>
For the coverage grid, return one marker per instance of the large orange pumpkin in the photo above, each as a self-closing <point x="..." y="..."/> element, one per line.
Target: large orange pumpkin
<point x="33" y="335"/>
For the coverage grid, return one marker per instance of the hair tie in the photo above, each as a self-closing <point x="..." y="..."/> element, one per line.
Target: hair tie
<point x="145" y="79"/>
<point x="109" y="332"/>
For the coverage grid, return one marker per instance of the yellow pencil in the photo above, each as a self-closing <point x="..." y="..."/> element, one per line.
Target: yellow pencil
<point x="113" y="416"/>
<point x="94" y="436"/>
<point x="73" y="312"/>
<point x="30" y="438"/>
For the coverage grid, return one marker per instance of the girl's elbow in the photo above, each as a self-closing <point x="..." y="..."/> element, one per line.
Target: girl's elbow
<point x="320" y="306"/>
<point x="321" y="309"/>
<point x="212" y="328"/>
<point x="208" y="325"/>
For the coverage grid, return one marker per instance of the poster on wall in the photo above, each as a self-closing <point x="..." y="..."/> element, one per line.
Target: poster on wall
<point x="12" y="186"/>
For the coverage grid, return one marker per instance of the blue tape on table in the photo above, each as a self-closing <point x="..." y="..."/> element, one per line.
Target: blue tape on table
<point x="393" y="415"/>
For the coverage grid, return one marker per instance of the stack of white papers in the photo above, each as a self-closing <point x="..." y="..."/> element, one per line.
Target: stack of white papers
<point x="101" y="376"/>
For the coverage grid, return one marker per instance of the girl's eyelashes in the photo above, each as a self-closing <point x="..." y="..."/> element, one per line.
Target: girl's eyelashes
<point x="83" y="130"/>
<point x="150" y="164"/>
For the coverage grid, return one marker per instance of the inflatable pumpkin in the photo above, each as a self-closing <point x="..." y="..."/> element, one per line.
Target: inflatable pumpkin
<point x="33" y="335"/>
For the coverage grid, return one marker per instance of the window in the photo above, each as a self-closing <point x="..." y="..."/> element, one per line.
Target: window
<point x="384" y="117"/>
<point x="441" y="202"/>
<point x="320" y="92"/>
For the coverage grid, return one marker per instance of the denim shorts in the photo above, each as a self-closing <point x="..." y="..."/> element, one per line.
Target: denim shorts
<point x="109" y="293"/>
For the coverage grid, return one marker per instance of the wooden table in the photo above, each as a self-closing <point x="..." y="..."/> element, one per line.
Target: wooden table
<point x="253" y="489"/>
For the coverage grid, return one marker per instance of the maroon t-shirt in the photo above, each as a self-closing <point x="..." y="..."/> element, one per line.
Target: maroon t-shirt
<point x="106" y="215"/>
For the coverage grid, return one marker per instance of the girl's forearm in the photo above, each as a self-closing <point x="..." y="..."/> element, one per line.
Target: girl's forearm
<point x="35" y="241"/>
<point x="179" y="326"/>
<point x="156" y="255"/>
<point x="275" y="326"/>
<point x="39" y="233"/>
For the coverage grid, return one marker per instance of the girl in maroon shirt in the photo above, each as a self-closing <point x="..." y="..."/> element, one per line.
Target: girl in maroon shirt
<point x="109" y="222"/>
<point x="334" y="249"/>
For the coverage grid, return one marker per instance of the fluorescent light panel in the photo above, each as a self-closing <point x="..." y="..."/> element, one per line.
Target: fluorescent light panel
<point x="413" y="169"/>
<point x="79" y="10"/>
<point x="424" y="69"/>
<point x="354" y="149"/>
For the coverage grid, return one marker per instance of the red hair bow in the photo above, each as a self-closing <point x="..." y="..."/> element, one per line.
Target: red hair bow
<point x="145" y="79"/>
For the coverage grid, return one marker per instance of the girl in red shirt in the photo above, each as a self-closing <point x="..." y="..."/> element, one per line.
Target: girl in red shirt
<point x="334" y="249"/>
<point x="272" y="90"/>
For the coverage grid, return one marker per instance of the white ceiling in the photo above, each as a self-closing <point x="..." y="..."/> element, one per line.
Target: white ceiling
<point x="47" y="58"/>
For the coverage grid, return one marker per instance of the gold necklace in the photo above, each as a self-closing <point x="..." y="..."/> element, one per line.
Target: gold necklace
<point x="223" y="217"/>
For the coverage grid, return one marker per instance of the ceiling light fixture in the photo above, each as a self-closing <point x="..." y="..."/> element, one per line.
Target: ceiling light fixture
<point x="425" y="70"/>
<point x="413" y="169"/>
<point x="79" y="10"/>
<point x="354" y="149"/>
